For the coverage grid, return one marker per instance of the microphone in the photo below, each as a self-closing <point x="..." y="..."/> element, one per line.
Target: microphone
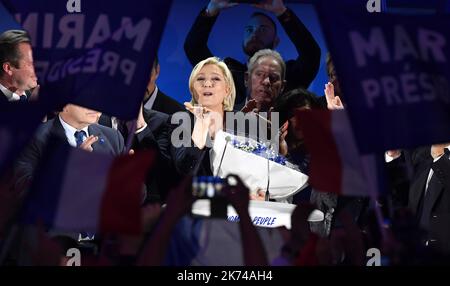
<point x="267" y="195"/>
<point x="254" y="111"/>
<point x="227" y="139"/>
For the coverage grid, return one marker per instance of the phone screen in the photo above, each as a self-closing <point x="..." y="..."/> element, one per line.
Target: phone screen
<point x="207" y="187"/>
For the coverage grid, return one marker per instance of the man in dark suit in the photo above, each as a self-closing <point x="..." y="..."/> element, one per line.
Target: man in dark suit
<point x="260" y="33"/>
<point x="153" y="132"/>
<point x="17" y="76"/>
<point x="75" y="125"/>
<point x="429" y="194"/>
<point x="78" y="127"/>
<point x="427" y="169"/>
<point x="155" y="99"/>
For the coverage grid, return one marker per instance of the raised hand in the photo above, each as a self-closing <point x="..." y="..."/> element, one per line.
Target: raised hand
<point x="333" y="102"/>
<point x="201" y="126"/>
<point x="283" y="144"/>
<point x="249" y="106"/>
<point x="87" y="144"/>
<point x="274" y="6"/>
<point x="206" y="121"/>
<point x="394" y="154"/>
<point x="237" y="194"/>
<point x="35" y="93"/>
<point x="215" y="6"/>
<point x="138" y="123"/>
<point x="437" y="150"/>
<point x="199" y="112"/>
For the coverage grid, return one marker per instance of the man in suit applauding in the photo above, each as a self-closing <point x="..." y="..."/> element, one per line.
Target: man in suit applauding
<point x="78" y="127"/>
<point x="17" y="76"/>
<point x="75" y="125"/>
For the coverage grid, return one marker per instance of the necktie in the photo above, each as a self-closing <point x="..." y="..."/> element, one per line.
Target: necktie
<point x="23" y="98"/>
<point x="79" y="137"/>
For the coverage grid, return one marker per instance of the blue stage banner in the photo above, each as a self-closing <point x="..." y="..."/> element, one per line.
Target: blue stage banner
<point x="394" y="72"/>
<point x="97" y="54"/>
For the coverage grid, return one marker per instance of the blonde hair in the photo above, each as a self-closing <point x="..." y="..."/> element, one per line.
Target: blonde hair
<point x="228" y="102"/>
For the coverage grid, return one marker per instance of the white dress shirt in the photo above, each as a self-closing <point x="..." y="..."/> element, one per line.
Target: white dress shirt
<point x="389" y="159"/>
<point x="430" y="174"/>
<point x="151" y="100"/>
<point x="70" y="132"/>
<point x="11" y="96"/>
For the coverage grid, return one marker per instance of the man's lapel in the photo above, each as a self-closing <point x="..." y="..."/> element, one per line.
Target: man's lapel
<point x="58" y="130"/>
<point x="101" y="144"/>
